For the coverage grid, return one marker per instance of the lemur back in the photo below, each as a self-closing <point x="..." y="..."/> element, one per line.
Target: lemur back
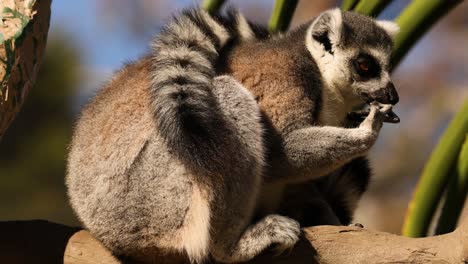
<point x="170" y="157"/>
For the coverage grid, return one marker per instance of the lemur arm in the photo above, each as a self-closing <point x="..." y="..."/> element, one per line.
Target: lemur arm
<point x="313" y="152"/>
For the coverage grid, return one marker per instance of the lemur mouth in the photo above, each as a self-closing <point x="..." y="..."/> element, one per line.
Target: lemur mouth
<point x="361" y="114"/>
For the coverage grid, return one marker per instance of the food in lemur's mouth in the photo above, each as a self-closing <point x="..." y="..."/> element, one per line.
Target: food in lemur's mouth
<point x="361" y="114"/>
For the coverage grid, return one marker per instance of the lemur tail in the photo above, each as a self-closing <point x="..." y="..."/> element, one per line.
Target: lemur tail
<point x="184" y="58"/>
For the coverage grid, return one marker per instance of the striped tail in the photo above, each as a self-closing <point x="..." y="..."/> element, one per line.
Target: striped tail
<point x="184" y="58"/>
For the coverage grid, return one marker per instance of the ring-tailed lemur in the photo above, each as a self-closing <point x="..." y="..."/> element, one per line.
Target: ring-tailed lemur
<point x="170" y="158"/>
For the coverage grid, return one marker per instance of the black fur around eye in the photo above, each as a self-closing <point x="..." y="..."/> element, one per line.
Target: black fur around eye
<point x="366" y="66"/>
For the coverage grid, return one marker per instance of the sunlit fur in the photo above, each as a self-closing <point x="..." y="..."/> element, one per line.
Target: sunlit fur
<point x="172" y="158"/>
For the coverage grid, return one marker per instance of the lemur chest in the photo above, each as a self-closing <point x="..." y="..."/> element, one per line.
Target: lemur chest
<point x="333" y="109"/>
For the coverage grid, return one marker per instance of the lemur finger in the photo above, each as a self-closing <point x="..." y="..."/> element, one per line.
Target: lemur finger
<point x="374" y="108"/>
<point x="385" y="108"/>
<point x="359" y="116"/>
<point x="391" y="117"/>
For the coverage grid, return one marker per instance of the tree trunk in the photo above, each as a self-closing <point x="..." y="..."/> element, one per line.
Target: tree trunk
<point x="23" y="36"/>
<point x="45" y="242"/>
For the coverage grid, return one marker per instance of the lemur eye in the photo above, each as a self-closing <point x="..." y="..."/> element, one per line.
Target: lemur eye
<point x="363" y="66"/>
<point x="366" y="66"/>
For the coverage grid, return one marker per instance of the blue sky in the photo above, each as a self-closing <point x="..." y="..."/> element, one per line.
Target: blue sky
<point x="101" y="48"/>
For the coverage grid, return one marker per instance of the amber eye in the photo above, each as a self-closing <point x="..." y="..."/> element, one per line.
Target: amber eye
<point x="366" y="66"/>
<point x="363" y="66"/>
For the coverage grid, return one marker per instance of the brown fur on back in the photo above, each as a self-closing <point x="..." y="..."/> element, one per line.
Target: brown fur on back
<point x="270" y="73"/>
<point x="128" y="127"/>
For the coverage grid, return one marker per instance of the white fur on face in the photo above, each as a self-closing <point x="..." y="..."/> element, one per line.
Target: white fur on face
<point x="338" y="97"/>
<point x="331" y="22"/>
<point x="340" y="93"/>
<point x="373" y="85"/>
<point x="333" y="67"/>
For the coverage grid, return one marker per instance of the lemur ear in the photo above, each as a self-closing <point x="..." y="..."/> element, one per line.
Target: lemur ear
<point x="327" y="28"/>
<point x="390" y="27"/>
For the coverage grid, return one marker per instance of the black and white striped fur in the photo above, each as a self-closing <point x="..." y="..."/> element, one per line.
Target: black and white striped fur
<point x="185" y="55"/>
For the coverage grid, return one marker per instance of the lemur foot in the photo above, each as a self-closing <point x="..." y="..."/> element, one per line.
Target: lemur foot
<point x="285" y="232"/>
<point x="274" y="230"/>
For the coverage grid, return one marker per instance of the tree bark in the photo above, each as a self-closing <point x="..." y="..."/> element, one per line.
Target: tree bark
<point x="45" y="242"/>
<point x="23" y="35"/>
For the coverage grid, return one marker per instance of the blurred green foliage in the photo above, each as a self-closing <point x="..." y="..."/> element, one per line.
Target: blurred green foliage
<point x="455" y="195"/>
<point x="435" y="177"/>
<point x="282" y="14"/>
<point x="212" y="5"/>
<point x="33" y="151"/>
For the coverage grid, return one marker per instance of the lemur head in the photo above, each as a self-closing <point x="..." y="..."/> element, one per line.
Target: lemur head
<point x="353" y="54"/>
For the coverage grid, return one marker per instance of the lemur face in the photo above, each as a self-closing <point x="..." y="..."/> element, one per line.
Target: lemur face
<point x="353" y="54"/>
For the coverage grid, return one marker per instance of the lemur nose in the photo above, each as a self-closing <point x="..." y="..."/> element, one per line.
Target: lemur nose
<point x="392" y="94"/>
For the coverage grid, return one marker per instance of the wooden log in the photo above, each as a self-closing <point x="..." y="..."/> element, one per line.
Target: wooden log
<point x="45" y="242"/>
<point x="83" y="248"/>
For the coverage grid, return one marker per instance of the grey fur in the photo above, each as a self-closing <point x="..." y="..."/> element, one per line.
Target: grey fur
<point x="145" y="207"/>
<point x="349" y="34"/>
<point x="183" y="104"/>
<point x="170" y="158"/>
<point x="331" y="148"/>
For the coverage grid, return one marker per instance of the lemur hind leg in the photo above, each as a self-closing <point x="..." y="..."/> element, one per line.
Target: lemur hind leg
<point x="234" y="238"/>
<point x="273" y="229"/>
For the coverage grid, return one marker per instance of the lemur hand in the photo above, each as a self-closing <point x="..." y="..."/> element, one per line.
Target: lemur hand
<point x="376" y="117"/>
<point x="360" y="115"/>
